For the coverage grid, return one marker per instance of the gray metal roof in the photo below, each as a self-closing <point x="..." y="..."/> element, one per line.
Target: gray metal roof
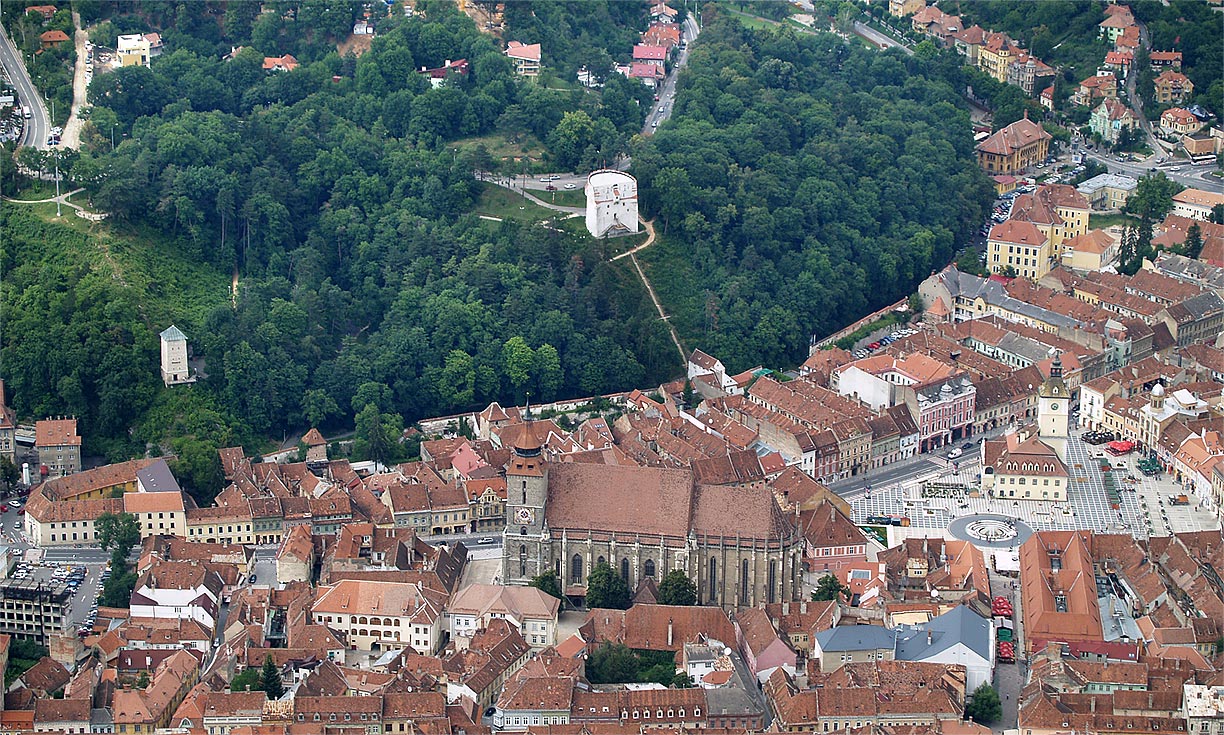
<point x="958" y="625"/>
<point x="1193" y="271"/>
<point x="969" y="286"/>
<point x="1205" y="304"/>
<point x="173" y="334"/>
<point x="157" y="478"/>
<point x="1116" y="181"/>
<point x="855" y="638"/>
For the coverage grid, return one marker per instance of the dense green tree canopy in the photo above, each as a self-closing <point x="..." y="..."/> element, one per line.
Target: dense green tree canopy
<point x="548" y="584"/>
<point x="802" y="183"/>
<point x="341" y="195"/>
<point x="985" y="707"/>
<point x="829" y="587"/>
<point x="677" y="589"/>
<point x="606" y="588"/>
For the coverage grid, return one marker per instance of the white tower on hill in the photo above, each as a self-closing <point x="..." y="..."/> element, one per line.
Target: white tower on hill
<point x="612" y="206"/>
<point x="174" y="368"/>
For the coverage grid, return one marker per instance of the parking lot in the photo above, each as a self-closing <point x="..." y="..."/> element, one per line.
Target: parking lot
<point x="84" y="579"/>
<point x="871" y="347"/>
<point x="1144" y="507"/>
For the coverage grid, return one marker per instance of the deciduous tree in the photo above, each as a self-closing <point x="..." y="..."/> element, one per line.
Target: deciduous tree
<point x="548" y="583"/>
<point x="606" y="589"/>
<point x="677" y="589"/>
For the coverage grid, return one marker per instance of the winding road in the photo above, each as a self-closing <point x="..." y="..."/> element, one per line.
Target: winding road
<point x="39" y="125"/>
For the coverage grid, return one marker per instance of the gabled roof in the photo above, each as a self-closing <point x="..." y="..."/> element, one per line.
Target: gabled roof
<point x="960" y="625"/>
<point x="646" y="52"/>
<point x="856" y="638"/>
<point x="56" y="432"/>
<point x="525" y="51"/>
<point x="287" y="62"/>
<point x="47" y="676"/>
<point x="500" y="600"/>
<point x="1118" y="20"/>
<point x="1012" y="138"/>
<point x="1019" y="232"/>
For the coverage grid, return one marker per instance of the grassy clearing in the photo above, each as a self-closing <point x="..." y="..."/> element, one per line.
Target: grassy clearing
<point x="617" y="245"/>
<point x="37" y="190"/>
<point x="749" y="21"/>
<point x="502" y="150"/>
<point x="496" y="201"/>
<point x="563" y="197"/>
<point x="678" y="285"/>
<point x="1103" y="221"/>
<point x="170" y="287"/>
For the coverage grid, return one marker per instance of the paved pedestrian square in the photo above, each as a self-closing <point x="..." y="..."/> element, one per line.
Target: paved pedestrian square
<point x="1143" y="507"/>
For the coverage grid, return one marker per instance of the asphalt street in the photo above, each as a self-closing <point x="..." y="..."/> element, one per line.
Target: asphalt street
<point x="662" y="109"/>
<point x="890" y="474"/>
<point x="39" y="124"/>
<point x="878" y="38"/>
<point x="1186" y="175"/>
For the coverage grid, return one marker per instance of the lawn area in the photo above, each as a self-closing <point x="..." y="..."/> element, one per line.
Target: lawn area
<point x="171" y="287"/>
<point x="496" y="201"/>
<point x="678" y="285"/>
<point x="564" y="197"/>
<point x="1103" y="221"/>
<point x="749" y="21"/>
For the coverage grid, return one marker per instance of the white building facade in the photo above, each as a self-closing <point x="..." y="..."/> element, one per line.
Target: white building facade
<point x="612" y="204"/>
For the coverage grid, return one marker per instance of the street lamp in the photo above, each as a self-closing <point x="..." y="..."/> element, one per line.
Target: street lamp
<point x="55" y="154"/>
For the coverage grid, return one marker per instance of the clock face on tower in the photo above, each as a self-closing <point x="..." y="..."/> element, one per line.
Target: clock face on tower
<point x="1053" y="406"/>
<point x="525" y="516"/>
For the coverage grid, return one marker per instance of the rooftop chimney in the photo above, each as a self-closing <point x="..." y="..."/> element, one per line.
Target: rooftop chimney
<point x="669" y="632"/>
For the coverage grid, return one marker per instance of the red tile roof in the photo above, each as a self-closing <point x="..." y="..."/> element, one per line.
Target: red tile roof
<point x="1012" y="138"/>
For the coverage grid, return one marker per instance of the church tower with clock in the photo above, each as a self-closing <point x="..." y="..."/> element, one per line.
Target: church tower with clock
<point x="1053" y="409"/>
<point x="523" y="543"/>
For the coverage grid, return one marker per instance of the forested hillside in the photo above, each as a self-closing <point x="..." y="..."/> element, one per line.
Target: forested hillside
<point x="341" y="195"/>
<point x="801" y="184"/>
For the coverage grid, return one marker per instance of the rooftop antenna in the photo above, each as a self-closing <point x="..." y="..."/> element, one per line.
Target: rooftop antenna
<point x="527" y="409"/>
